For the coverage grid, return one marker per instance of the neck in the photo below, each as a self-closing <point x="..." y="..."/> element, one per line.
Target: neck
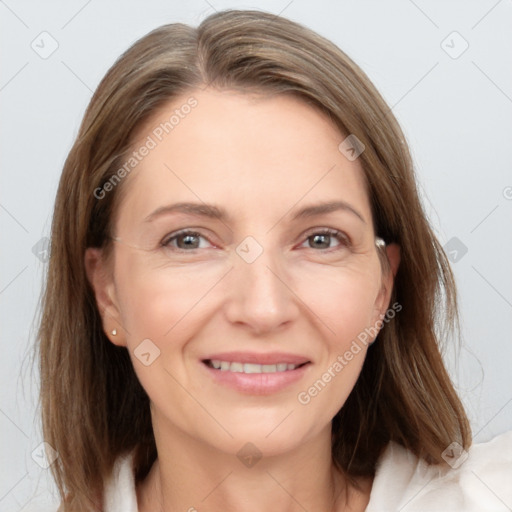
<point x="189" y="475"/>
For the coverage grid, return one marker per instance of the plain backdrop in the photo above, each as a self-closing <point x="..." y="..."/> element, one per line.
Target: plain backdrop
<point x="443" y="67"/>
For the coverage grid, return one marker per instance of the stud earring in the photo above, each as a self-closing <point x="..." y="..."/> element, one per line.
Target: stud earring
<point x="379" y="242"/>
<point x="114" y="332"/>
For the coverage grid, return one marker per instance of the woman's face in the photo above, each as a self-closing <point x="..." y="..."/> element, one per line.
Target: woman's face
<point x="253" y="278"/>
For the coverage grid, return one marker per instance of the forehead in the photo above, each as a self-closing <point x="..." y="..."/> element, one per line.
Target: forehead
<point x="242" y="151"/>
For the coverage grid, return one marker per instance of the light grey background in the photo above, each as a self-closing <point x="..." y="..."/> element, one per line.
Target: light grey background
<point x="456" y="112"/>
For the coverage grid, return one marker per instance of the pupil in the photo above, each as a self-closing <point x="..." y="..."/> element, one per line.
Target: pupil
<point x="187" y="240"/>
<point x="317" y="237"/>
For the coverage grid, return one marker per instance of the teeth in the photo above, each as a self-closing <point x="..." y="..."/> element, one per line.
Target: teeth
<point x="251" y="367"/>
<point x="236" y="367"/>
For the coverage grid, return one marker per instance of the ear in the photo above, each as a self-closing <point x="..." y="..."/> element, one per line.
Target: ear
<point x="100" y="277"/>
<point x="388" y="279"/>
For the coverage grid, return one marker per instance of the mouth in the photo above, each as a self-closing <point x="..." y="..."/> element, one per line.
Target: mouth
<point x="254" y="378"/>
<point x="256" y="373"/>
<point x="240" y="367"/>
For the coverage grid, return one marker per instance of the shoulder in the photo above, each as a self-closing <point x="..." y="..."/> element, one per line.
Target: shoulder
<point x="119" y="492"/>
<point x="476" y="480"/>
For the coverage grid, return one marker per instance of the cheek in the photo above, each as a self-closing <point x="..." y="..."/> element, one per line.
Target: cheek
<point x="154" y="302"/>
<point x="342" y="299"/>
<point x="344" y="306"/>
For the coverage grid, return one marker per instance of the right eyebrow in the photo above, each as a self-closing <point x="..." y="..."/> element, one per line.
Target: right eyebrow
<point x="197" y="209"/>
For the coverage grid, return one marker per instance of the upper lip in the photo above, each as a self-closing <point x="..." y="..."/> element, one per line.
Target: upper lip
<point x="256" y="358"/>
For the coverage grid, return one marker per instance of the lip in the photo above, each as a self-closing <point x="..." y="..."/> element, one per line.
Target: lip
<point x="257" y="383"/>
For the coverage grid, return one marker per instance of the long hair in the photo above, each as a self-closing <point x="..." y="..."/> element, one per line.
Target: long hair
<point x="93" y="406"/>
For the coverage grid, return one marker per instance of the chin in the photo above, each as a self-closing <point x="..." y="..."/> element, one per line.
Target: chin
<point x="264" y="439"/>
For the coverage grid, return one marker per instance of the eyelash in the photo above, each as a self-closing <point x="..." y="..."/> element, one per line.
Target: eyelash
<point x="340" y="237"/>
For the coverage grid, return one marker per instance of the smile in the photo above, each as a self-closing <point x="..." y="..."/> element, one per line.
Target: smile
<point x="238" y="367"/>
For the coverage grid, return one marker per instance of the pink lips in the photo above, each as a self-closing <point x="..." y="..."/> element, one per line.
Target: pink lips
<point x="257" y="383"/>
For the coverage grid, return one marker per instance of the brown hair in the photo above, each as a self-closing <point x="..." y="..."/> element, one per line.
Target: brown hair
<point x="93" y="406"/>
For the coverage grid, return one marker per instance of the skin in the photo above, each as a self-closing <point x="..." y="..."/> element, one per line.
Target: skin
<point x="262" y="159"/>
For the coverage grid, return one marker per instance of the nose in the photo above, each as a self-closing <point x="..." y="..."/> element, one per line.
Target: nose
<point x="261" y="294"/>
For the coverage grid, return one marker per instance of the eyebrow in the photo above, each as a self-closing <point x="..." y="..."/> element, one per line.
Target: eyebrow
<point x="215" y="212"/>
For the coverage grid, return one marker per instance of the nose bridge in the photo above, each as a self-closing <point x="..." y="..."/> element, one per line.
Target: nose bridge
<point x="260" y="295"/>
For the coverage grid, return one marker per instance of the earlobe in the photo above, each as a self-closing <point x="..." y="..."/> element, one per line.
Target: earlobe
<point x="100" y="279"/>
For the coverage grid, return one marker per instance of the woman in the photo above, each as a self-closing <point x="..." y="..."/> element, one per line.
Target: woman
<point x="245" y="301"/>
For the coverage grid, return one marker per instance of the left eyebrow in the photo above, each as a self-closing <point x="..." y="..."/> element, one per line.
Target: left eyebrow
<point x="323" y="208"/>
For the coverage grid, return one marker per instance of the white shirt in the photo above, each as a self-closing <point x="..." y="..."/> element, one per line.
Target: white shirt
<point x="481" y="483"/>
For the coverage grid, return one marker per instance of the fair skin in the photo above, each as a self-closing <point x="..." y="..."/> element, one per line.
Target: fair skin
<point x="262" y="160"/>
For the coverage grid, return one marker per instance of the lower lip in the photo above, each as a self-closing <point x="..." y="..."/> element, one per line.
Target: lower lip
<point x="257" y="383"/>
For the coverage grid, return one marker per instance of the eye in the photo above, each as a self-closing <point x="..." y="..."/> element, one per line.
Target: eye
<point x="321" y="239"/>
<point x="189" y="240"/>
<point x="184" y="239"/>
